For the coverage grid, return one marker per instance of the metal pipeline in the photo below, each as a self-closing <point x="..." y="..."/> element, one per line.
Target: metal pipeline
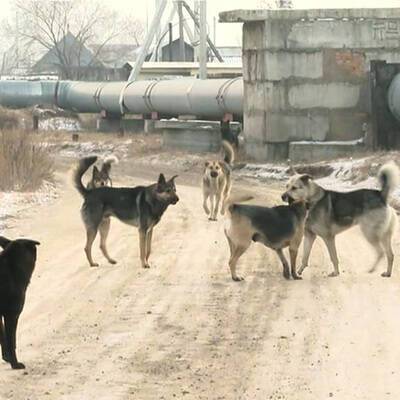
<point x="207" y="99"/>
<point x="393" y="97"/>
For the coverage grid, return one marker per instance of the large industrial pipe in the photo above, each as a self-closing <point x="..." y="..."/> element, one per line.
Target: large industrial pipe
<point x="208" y="99"/>
<point x="393" y="97"/>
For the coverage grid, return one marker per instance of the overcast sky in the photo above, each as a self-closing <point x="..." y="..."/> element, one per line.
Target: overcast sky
<point x="227" y="34"/>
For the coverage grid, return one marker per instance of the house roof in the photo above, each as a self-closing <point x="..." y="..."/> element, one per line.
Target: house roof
<point x="76" y="55"/>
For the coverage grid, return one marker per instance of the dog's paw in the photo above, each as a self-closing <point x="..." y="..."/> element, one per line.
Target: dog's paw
<point x="17" y="365"/>
<point x="146" y="266"/>
<point x="94" y="265"/>
<point x="237" y="278"/>
<point x="286" y="274"/>
<point x="212" y="219"/>
<point x="111" y="261"/>
<point x="333" y="274"/>
<point x="296" y="277"/>
<point x="385" y="275"/>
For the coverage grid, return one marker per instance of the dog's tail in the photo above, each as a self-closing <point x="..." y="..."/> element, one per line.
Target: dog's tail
<point x="232" y="200"/>
<point x="108" y="161"/>
<point x="389" y="178"/>
<point x="229" y="151"/>
<point x="83" y="166"/>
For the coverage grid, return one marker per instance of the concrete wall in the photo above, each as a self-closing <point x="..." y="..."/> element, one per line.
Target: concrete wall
<point x="306" y="74"/>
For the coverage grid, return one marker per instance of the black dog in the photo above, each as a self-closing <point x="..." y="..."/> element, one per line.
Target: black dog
<point x="17" y="262"/>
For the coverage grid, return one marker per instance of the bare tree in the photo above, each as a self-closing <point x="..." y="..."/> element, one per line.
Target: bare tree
<point x="52" y="24"/>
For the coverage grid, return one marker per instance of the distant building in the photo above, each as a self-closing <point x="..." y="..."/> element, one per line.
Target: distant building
<point x="171" y="52"/>
<point x="115" y="55"/>
<point x="230" y="54"/>
<point x="75" y="54"/>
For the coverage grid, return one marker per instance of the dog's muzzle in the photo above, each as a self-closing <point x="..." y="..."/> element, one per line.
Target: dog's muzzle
<point x="213" y="174"/>
<point x="175" y="200"/>
<point x="287" y="198"/>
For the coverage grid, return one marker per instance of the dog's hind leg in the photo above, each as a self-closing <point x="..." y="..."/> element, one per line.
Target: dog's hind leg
<point x="236" y="251"/>
<point x="104" y="229"/>
<point x="309" y="239"/>
<point x="11" y="322"/>
<point x="286" y="270"/>
<point x="90" y="236"/>
<point x="330" y="244"/>
<point x="148" y="243"/>
<point x="3" y="342"/>
<point x="387" y="245"/>
<point x="143" y="247"/>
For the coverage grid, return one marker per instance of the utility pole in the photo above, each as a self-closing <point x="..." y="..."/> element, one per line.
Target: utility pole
<point x="203" y="40"/>
<point x="181" y="36"/>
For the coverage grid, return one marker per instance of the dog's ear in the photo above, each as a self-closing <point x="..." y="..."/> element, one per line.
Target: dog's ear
<point x="161" y="180"/>
<point x="95" y="172"/>
<point x="4" y="242"/>
<point x="305" y="178"/>
<point x="173" y="178"/>
<point x="207" y="163"/>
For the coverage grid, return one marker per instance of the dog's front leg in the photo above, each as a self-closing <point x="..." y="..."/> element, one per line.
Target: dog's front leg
<point x="293" y="257"/>
<point x="330" y="244"/>
<point x="212" y="206"/>
<point x="286" y="271"/>
<point x="143" y="247"/>
<point x="206" y="195"/>
<point x="11" y="322"/>
<point x="217" y="202"/>
<point x="309" y="239"/>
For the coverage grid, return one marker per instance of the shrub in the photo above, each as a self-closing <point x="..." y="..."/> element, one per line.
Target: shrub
<point x="24" y="164"/>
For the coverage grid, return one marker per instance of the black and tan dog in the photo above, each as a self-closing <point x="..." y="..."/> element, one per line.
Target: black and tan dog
<point x="140" y="206"/>
<point x="275" y="227"/>
<point x="17" y="262"/>
<point x="331" y="213"/>
<point x="102" y="177"/>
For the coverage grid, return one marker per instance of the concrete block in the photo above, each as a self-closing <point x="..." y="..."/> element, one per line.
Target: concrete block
<point x="344" y="65"/>
<point x="325" y="95"/>
<point x="132" y="125"/>
<point x="346" y="126"/>
<point x="275" y="34"/>
<point x="253" y="65"/>
<point x="149" y="126"/>
<point x="254" y="126"/>
<point x="108" y="125"/>
<point x="253" y="35"/>
<point x="270" y="152"/>
<point x="283" y="64"/>
<point x="390" y="56"/>
<point x="306" y="151"/>
<point x="344" y="34"/>
<point x="196" y="140"/>
<point x="283" y="127"/>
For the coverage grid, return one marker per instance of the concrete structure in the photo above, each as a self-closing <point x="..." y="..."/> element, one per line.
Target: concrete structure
<point x="196" y="136"/>
<point x="307" y="75"/>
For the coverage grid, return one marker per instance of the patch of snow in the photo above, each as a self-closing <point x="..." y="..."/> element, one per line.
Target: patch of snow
<point x="13" y="203"/>
<point x="60" y="124"/>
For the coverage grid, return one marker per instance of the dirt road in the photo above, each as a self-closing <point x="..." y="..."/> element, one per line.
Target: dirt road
<point x="184" y="330"/>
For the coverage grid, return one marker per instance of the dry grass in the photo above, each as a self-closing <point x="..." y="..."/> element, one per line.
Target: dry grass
<point x="24" y="164"/>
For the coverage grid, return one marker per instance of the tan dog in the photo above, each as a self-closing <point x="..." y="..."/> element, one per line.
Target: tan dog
<point x="217" y="182"/>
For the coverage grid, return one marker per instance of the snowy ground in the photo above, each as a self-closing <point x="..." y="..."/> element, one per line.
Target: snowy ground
<point x="14" y="204"/>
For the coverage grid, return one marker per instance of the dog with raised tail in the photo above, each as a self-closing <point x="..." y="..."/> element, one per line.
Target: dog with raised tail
<point x="274" y="227"/>
<point x="332" y="212"/>
<point x="102" y="177"/>
<point x="140" y="206"/>
<point x="216" y="182"/>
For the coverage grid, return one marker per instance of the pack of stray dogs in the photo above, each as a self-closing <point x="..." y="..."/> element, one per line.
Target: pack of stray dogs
<point x="309" y="211"/>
